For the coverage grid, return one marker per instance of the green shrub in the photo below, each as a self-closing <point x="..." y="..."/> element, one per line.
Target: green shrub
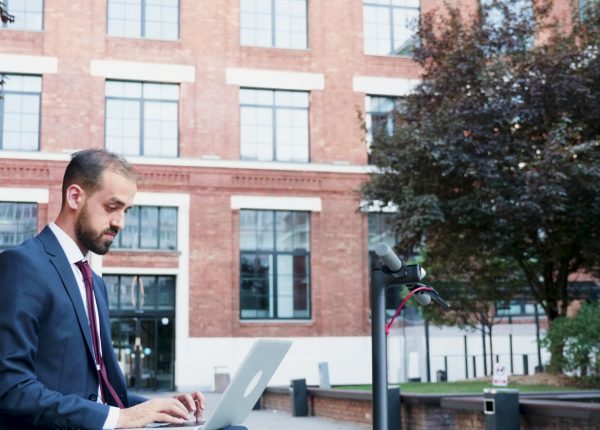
<point x="580" y="339"/>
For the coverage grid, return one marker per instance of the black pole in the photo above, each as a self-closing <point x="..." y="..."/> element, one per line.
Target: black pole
<point x="485" y="372"/>
<point x="446" y="366"/>
<point x="379" y="351"/>
<point x="427" y="362"/>
<point x="510" y="345"/>
<point x="537" y="336"/>
<point x="466" y="359"/>
<point x="474" y="367"/>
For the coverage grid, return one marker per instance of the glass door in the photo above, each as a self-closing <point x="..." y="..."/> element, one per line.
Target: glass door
<point x="145" y="349"/>
<point x="142" y="310"/>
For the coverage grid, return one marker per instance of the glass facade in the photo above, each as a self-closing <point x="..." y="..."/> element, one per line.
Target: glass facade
<point x="274" y="23"/>
<point x="142" y="118"/>
<point x="20" y="112"/>
<point x="274" y="264"/>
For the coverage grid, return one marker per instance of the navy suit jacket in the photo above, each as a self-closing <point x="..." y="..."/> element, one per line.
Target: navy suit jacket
<point x="48" y="378"/>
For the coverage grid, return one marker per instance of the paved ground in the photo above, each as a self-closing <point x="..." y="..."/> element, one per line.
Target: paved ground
<point x="279" y="420"/>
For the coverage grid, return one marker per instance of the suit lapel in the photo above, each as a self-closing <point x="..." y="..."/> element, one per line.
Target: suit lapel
<point x="59" y="260"/>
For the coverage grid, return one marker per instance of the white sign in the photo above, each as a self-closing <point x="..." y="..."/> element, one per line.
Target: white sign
<point x="500" y="375"/>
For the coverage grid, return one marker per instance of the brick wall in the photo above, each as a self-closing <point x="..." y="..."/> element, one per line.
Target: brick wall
<point x="424" y="412"/>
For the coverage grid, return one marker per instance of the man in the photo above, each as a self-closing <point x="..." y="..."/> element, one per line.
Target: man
<point x="57" y="365"/>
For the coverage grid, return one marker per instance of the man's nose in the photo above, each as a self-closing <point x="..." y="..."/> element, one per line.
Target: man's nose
<point x="118" y="221"/>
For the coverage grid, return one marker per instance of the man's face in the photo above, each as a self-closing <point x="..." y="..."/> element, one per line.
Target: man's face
<point x="102" y="215"/>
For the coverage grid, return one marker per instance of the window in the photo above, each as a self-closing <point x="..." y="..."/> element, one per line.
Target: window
<point x="390" y="26"/>
<point x="273" y="23"/>
<point x="131" y="292"/>
<point x="274" y="264"/>
<point x="142" y="118"/>
<point x="152" y="19"/>
<point x="149" y="227"/>
<point x="587" y="8"/>
<point x="18" y="221"/>
<point x="29" y="15"/>
<point x="274" y="125"/>
<point x="380" y="117"/>
<point x="520" y="307"/>
<point x="20" y="112"/>
<point x="495" y="15"/>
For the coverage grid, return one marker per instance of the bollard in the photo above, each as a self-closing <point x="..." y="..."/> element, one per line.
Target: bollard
<point x="299" y="397"/>
<point x="501" y="409"/>
<point x="525" y="364"/>
<point x="394" y="416"/>
<point x="324" y="375"/>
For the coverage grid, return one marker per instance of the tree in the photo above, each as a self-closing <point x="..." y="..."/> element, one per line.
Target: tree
<point x="496" y="154"/>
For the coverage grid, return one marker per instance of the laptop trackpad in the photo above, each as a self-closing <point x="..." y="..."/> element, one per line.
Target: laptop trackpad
<point x="191" y="424"/>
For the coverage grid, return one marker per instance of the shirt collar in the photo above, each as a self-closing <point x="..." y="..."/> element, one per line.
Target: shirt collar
<point x="68" y="245"/>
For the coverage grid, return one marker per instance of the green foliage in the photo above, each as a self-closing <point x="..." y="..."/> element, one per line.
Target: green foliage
<point x="579" y="337"/>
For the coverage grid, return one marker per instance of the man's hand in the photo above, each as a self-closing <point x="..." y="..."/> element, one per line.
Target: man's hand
<point x="193" y="402"/>
<point x="167" y="410"/>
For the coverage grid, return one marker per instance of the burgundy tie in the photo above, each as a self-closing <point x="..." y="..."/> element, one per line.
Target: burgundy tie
<point x="86" y="271"/>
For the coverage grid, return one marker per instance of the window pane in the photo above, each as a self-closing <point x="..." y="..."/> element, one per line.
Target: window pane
<point x="256" y="299"/>
<point x="129" y="236"/>
<point x="278" y="23"/>
<point x="281" y="291"/>
<point x="140" y="292"/>
<point x="124" y="106"/>
<point x="390" y="27"/>
<point x="112" y="289"/>
<point x="128" y="292"/>
<point x="18" y="222"/>
<point x="28" y="15"/>
<point x="149" y="227"/>
<point x="166" y="292"/>
<point x="277" y="131"/>
<point x="20" y="109"/>
<point x="149" y="222"/>
<point x="168" y="228"/>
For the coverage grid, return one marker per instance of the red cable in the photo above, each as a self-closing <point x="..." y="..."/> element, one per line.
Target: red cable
<point x="416" y="290"/>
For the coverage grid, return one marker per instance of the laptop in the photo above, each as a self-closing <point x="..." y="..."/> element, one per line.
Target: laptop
<point x="245" y="388"/>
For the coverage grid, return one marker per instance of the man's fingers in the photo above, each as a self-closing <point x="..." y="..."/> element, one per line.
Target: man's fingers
<point x="175" y="407"/>
<point x="162" y="417"/>
<point x="187" y="401"/>
<point x="201" y="399"/>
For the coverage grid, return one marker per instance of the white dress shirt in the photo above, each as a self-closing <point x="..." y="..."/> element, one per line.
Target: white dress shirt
<point x="74" y="255"/>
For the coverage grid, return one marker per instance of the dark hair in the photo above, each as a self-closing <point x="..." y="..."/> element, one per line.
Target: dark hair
<point x="87" y="166"/>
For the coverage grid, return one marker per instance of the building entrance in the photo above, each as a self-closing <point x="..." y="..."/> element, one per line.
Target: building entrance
<point x="145" y="350"/>
<point x="142" y="311"/>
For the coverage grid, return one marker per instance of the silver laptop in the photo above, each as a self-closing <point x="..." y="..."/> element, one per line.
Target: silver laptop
<point x="245" y="388"/>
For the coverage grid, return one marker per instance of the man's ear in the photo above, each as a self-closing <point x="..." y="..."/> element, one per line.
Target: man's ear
<point x="75" y="196"/>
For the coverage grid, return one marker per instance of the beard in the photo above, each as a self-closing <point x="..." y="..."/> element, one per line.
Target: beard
<point x="92" y="240"/>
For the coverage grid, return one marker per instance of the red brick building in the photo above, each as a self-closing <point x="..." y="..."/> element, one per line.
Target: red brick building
<point x="243" y="118"/>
